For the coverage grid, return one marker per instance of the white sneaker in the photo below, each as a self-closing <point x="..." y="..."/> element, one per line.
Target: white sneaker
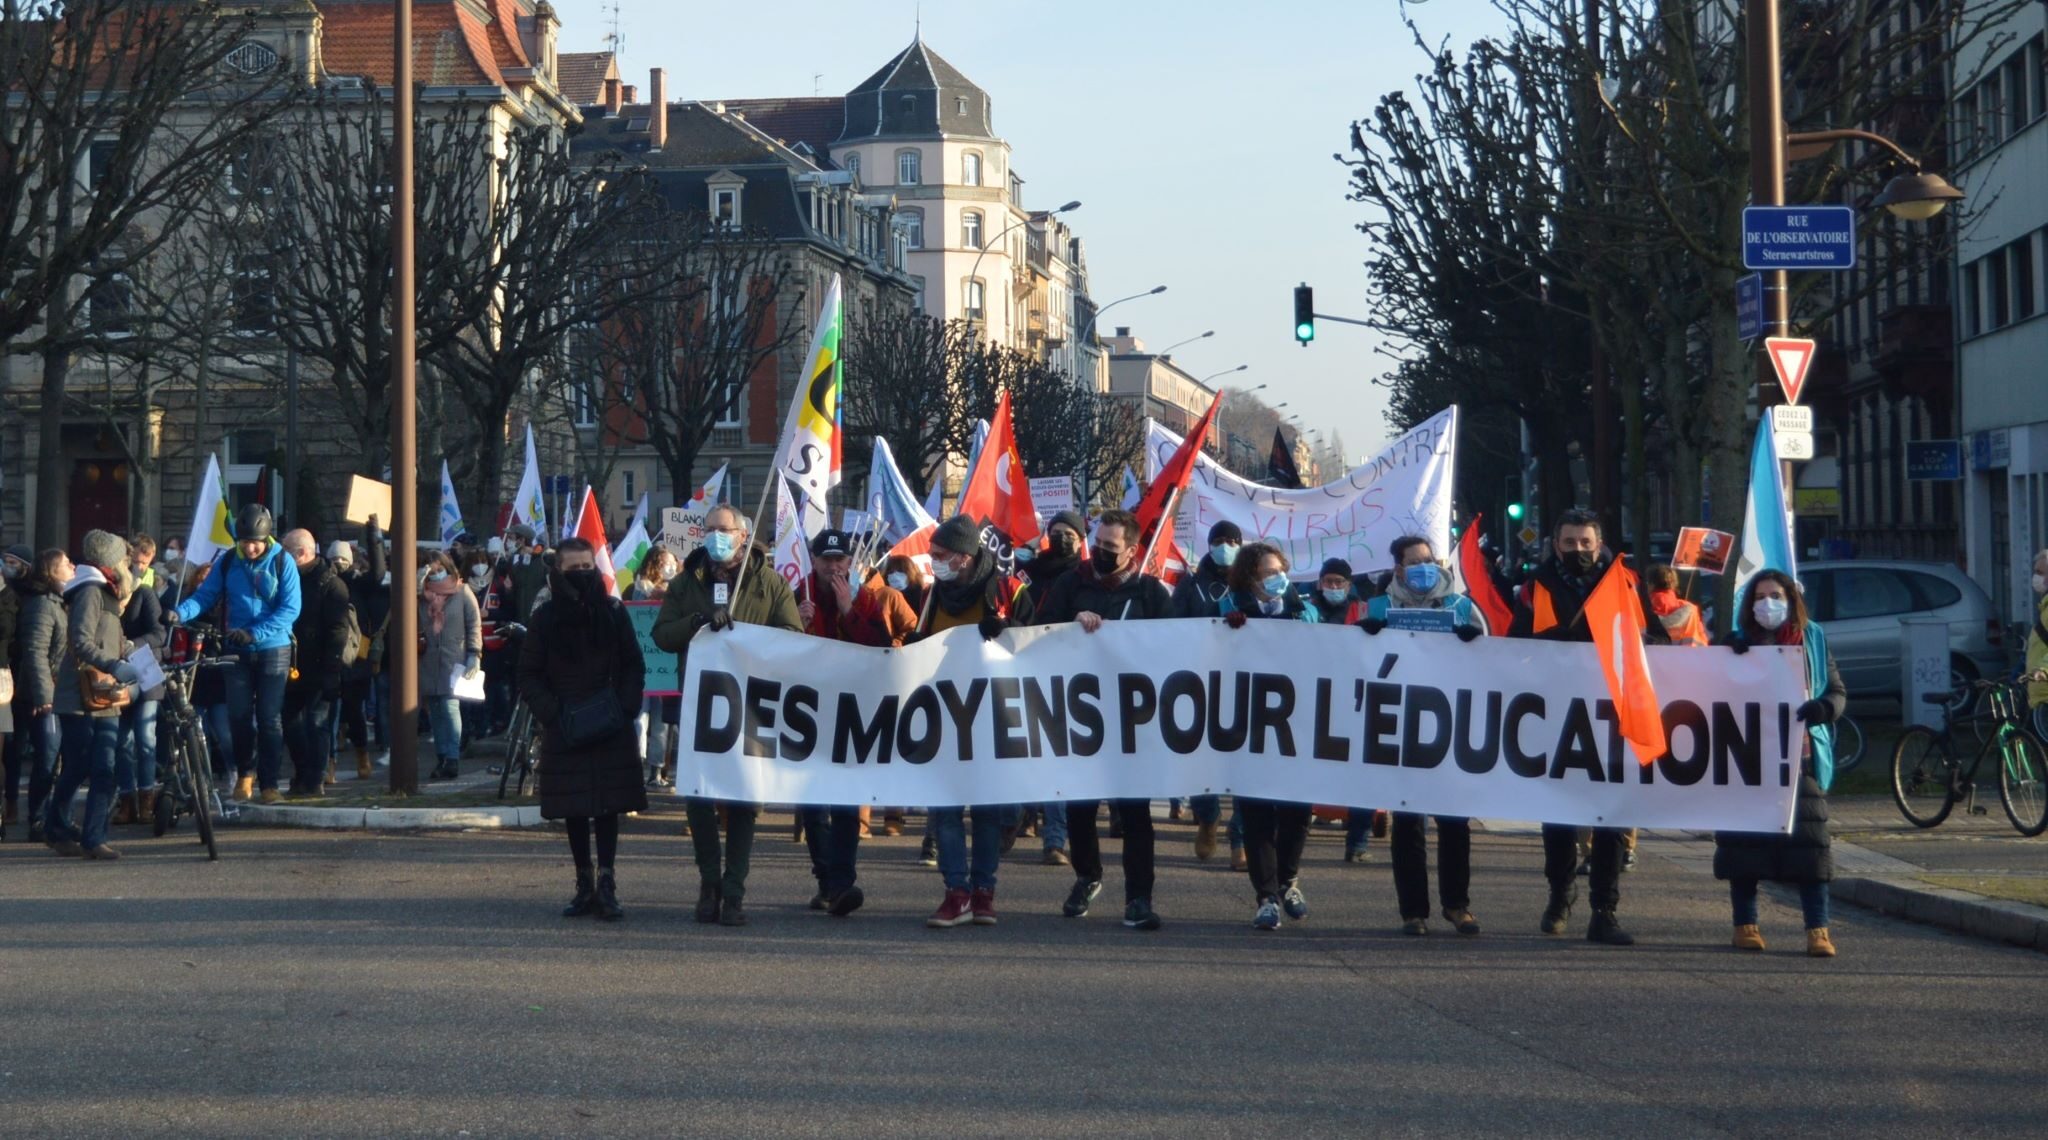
<point x="383" y="760"/>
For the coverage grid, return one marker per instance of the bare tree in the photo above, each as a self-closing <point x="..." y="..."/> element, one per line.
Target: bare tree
<point x="903" y="372"/>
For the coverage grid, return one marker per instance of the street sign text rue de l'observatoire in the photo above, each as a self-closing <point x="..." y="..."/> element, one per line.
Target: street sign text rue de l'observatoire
<point x="1799" y="237"/>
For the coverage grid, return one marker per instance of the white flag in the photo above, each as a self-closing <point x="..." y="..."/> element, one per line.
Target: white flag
<point x="451" y="513"/>
<point x="209" y="534"/>
<point x="792" y="548"/>
<point x="529" y="506"/>
<point x="707" y="496"/>
<point x="812" y="446"/>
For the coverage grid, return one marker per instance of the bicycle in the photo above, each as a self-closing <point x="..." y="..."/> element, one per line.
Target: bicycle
<point x="1849" y="744"/>
<point x="187" y="777"/>
<point x="520" y="746"/>
<point x="1928" y="780"/>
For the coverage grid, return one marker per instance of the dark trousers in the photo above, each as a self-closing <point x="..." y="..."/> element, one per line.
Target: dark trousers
<point x="308" y="737"/>
<point x="1274" y="835"/>
<point x="44" y="752"/>
<point x="833" y="836"/>
<point x="255" y="692"/>
<point x="1411" y="863"/>
<point x="1561" y="862"/>
<point x="726" y="869"/>
<point x="1085" y="848"/>
<point x="17" y="750"/>
<point x="354" y="712"/>
<point x="89" y="743"/>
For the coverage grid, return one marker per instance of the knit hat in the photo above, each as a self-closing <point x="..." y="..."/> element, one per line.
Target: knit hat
<point x="1336" y="566"/>
<point x="1223" y="532"/>
<point x="829" y="542"/>
<point x="21" y="552"/>
<point x="109" y="552"/>
<point x="959" y="534"/>
<point x="339" y="553"/>
<point x="1071" y="520"/>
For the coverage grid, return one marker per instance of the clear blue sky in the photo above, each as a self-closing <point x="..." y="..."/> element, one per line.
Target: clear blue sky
<point x="1197" y="133"/>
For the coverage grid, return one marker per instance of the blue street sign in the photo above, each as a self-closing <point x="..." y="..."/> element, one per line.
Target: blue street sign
<point x="1934" y="459"/>
<point x="1749" y="306"/>
<point x="1798" y="237"/>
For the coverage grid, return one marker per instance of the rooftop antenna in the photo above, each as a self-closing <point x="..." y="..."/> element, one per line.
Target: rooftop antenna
<point x="817" y="83"/>
<point x="615" y="41"/>
<point x="917" y="28"/>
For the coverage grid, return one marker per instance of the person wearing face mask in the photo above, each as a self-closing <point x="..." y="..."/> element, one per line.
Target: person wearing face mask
<point x="580" y="647"/>
<point x="451" y="644"/>
<point x="1108" y="587"/>
<point x="970" y="590"/>
<point x="1772" y="611"/>
<point x="1336" y="597"/>
<point x="142" y="623"/>
<point x="657" y="714"/>
<point x="1550" y="606"/>
<point x="38" y="654"/>
<point x="172" y="558"/>
<point x="1420" y="582"/>
<point x="526" y="570"/>
<point x="322" y="635"/>
<point x="95" y="655"/>
<point x="900" y="573"/>
<point x="260" y="587"/>
<point x="1275" y="833"/>
<point x="1200" y="594"/>
<point x="2037" y="647"/>
<point x="15" y="562"/>
<point x="727" y="580"/>
<point x="1062" y="553"/>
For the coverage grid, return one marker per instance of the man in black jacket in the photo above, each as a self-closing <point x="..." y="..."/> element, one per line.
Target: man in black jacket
<point x="1551" y="607"/>
<point x="321" y="634"/>
<point x="369" y="594"/>
<point x="1200" y="594"/>
<point x="1108" y="587"/>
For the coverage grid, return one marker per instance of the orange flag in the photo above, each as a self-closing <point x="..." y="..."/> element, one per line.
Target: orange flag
<point x="1614" y="616"/>
<point x="1479" y="581"/>
<point x="1156" y="508"/>
<point x="1000" y="493"/>
<point x="590" y="526"/>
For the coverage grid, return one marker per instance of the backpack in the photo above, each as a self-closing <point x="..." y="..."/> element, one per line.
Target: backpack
<point x="354" y="646"/>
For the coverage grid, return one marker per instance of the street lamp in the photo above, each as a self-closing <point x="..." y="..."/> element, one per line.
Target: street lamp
<point x="1089" y="328"/>
<point x="1176" y="344"/>
<point x="1226" y="372"/>
<point x="1034" y="216"/>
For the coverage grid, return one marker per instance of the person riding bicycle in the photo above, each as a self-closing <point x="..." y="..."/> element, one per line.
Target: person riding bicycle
<point x="259" y="585"/>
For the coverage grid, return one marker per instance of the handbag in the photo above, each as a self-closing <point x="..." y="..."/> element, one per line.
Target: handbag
<point x="99" y="691"/>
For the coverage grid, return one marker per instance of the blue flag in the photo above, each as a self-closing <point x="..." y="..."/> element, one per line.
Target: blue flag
<point x="1767" y="535"/>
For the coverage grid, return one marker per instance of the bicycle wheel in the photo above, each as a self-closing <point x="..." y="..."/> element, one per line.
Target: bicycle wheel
<point x="527" y="771"/>
<point x="1849" y="744"/>
<point x="2023" y="781"/>
<point x="1923" y="776"/>
<point x="200" y="781"/>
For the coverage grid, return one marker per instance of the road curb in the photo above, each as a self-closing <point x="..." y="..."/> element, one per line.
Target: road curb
<point x="391" y="818"/>
<point x="2014" y="923"/>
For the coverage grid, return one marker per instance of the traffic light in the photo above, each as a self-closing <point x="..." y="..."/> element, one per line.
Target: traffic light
<point x="1304" y="314"/>
<point x="1515" y="511"/>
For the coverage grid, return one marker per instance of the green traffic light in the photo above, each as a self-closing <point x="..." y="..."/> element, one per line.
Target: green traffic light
<point x="1305" y="331"/>
<point x="1515" y="511"/>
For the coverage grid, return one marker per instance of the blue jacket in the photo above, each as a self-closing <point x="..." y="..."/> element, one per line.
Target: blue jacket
<point x="263" y="595"/>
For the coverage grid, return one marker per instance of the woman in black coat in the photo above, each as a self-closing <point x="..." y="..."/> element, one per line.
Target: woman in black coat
<point x="1773" y="612"/>
<point x="580" y="645"/>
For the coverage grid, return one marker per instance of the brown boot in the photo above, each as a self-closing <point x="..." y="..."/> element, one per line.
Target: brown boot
<point x="1818" y="944"/>
<point x="330" y="776"/>
<point x="1205" y="840"/>
<point x="245" y="788"/>
<point x="1238" y="861"/>
<point x="363" y="769"/>
<point x="1749" y="938"/>
<point x="145" y="806"/>
<point x="124" y="810"/>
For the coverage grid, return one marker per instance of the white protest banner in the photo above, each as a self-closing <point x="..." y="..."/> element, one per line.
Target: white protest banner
<point x="1289" y="711"/>
<point x="1405" y="489"/>
<point x="1051" y="495"/>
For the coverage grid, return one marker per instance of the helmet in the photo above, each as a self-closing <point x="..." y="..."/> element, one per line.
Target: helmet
<point x="252" y="522"/>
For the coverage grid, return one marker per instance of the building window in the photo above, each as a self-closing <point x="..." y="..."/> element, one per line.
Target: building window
<point x="725" y="205"/>
<point x="972" y="298"/>
<point x="1998" y="290"/>
<point x="729" y="413"/>
<point x="970" y="229"/>
<point x="1973" y="306"/>
<point x="911" y="222"/>
<point x="110" y="304"/>
<point x="2023" y="278"/>
<point x="629" y="481"/>
<point x="909" y="168"/>
<point x="853" y="165"/>
<point x="585" y="410"/>
<point x="254" y="296"/>
<point x="960" y="108"/>
<point x="970" y="168"/>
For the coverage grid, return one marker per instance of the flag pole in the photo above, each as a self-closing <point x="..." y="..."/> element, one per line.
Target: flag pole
<point x="754" y="529"/>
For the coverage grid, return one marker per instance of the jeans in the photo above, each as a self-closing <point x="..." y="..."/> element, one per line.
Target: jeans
<point x="1136" y="816"/>
<point x="833" y="836"/>
<point x="255" y="690"/>
<point x="45" y="748"/>
<point x="1357" y="830"/>
<point x="1411" y="863"/>
<point x="1561" y="862"/>
<point x="949" y="826"/>
<point x="310" y="737"/>
<point x="1813" y="902"/>
<point x="380" y="701"/>
<point x="445" y="714"/>
<point x="1206" y="809"/>
<point x="89" y="745"/>
<point x="1275" y="834"/>
<point x="1052" y="827"/>
<point x="220" y="737"/>
<point x="730" y="874"/>
<point x="135" y="762"/>
<point x="14" y="757"/>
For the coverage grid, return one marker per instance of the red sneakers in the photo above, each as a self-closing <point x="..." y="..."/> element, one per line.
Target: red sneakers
<point x="984" y="904"/>
<point x="953" y="912"/>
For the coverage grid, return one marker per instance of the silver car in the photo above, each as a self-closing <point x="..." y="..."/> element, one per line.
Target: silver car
<point x="1859" y="604"/>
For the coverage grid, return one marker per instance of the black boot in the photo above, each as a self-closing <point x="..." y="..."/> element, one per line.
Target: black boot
<point x="1560" y="909"/>
<point x="586" y="896"/>
<point x="707" y="903"/>
<point x="1606" y="928"/>
<point x="608" y="908"/>
<point x="730" y="913"/>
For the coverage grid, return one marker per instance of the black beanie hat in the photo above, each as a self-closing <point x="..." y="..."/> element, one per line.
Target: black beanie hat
<point x="959" y="534"/>
<point x="1223" y="532"/>
<point x="1336" y="566"/>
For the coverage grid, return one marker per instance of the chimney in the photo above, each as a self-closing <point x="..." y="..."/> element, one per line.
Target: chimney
<point x="657" y="97"/>
<point x="611" y="96"/>
<point x="1123" y="330"/>
<point x="631" y="94"/>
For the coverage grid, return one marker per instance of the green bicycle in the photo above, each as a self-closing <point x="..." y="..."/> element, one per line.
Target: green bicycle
<point x="1928" y="778"/>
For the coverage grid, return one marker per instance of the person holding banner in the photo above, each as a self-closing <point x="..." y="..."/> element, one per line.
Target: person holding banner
<point x="1108" y="587"/>
<point x="1551" y="607"/>
<point x="970" y="590"/>
<point x="1275" y="833"/>
<point x="1420" y="582"/>
<point x="1773" y="612"/>
<point x="1200" y="594"/>
<point x="727" y="580"/>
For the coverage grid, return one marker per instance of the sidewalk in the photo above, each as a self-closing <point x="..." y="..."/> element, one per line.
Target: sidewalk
<point x="468" y="802"/>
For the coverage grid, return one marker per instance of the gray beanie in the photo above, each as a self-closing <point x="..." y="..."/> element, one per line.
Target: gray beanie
<point x="1071" y="520"/>
<point x="959" y="534"/>
<point x="109" y="552"/>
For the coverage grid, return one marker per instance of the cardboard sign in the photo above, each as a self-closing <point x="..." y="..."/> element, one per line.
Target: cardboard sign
<point x="1420" y="620"/>
<point x="661" y="664"/>
<point x="1704" y="550"/>
<point x="368" y="497"/>
<point x="682" y="530"/>
<point x="1051" y="495"/>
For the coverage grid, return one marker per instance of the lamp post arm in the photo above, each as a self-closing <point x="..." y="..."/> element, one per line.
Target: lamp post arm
<point x="1806" y="138"/>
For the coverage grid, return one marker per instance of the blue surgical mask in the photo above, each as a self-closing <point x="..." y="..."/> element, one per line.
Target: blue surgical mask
<point x="1275" y="586"/>
<point x="899" y="581"/>
<point x="1336" y="597"/>
<point x="1772" y="612"/>
<point x="719" y="546"/>
<point x="437" y="575"/>
<point x="1422" y="577"/>
<point x="1223" y="553"/>
<point x="1025" y="553"/>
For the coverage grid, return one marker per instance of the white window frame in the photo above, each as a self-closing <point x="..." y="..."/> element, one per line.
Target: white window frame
<point x="912" y="220"/>
<point x="974" y="299"/>
<point x="971" y="229"/>
<point x="971" y="168"/>
<point x="909" y="167"/>
<point x="721" y="198"/>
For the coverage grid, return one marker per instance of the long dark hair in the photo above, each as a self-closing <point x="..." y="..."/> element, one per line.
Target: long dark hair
<point x="1244" y="569"/>
<point x="42" y="577"/>
<point x="1795" y="615"/>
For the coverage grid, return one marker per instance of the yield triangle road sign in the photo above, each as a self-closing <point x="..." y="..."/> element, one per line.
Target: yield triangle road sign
<point x="1790" y="359"/>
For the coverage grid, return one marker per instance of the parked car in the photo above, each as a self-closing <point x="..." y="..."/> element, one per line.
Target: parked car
<point x="1859" y="604"/>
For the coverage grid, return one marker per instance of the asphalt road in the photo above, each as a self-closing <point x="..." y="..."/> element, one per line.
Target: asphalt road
<point x="349" y="984"/>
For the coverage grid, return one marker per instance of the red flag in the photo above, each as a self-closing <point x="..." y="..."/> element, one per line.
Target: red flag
<point x="1479" y="581"/>
<point x="1155" y="511"/>
<point x="1614" y="616"/>
<point x="1000" y="493"/>
<point x="590" y="527"/>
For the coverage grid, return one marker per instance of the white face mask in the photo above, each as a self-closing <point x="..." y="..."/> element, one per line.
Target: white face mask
<point x="1772" y="612"/>
<point x="944" y="571"/>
